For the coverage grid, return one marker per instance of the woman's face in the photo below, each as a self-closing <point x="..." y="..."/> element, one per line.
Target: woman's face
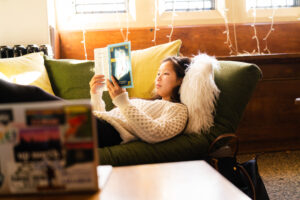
<point x="166" y="80"/>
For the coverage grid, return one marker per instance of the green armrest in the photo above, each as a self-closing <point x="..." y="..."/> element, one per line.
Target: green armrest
<point x="236" y="80"/>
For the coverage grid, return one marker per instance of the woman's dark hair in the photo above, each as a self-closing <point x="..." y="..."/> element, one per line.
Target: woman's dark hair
<point x="180" y="64"/>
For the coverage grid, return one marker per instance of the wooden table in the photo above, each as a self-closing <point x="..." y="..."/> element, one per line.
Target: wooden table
<point x="179" y="180"/>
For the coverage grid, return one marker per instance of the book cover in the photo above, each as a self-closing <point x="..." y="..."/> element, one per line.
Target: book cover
<point x="115" y="60"/>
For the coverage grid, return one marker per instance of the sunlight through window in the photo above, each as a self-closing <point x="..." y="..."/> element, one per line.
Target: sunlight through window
<point x="188" y="5"/>
<point x="272" y="3"/>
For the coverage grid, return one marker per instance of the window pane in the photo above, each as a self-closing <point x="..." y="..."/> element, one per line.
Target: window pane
<point x="272" y="3"/>
<point x="290" y="2"/>
<point x="207" y="4"/>
<point x="100" y="6"/>
<point x="187" y="5"/>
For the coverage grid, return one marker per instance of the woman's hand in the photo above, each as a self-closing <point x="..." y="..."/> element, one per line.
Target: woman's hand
<point x="113" y="88"/>
<point x="96" y="82"/>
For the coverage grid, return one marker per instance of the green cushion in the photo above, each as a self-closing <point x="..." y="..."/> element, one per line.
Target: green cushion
<point x="181" y="148"/>
<point x="70" y="79"/>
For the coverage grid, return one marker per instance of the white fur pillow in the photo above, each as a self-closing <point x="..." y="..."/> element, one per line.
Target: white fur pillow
<point x="199" y="93"/>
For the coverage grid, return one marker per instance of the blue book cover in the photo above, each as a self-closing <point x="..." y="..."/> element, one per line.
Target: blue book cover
<point x="119" y="59"/>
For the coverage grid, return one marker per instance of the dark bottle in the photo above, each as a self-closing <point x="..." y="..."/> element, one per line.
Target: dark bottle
<point x="19" y="50"/>
<point x="1" y="176"/>
<point x="6" y="52"/>
<point x="47" y="50"/>
<point x="31" y="48"/>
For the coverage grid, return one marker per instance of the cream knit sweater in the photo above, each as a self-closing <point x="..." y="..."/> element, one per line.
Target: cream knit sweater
<point x="151" y="121"/>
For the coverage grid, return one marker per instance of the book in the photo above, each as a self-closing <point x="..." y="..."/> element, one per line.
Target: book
<point x="115" y="60"/>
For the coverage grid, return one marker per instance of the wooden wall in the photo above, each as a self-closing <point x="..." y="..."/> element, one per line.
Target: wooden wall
<point x="271" y="121"/>
<point x="205" y="38"/>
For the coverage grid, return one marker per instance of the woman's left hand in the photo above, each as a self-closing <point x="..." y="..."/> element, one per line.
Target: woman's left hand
<point x="113" y="88"/>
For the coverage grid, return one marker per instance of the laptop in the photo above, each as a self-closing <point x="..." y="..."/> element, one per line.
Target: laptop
<point x="48" y="147"/>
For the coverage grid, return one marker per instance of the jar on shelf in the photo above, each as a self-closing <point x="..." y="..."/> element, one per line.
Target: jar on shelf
<point x="19" y="50"/>
<point x="47" y="50"/>
<point x="6" y="52"/>
<point x="31" y="48"/>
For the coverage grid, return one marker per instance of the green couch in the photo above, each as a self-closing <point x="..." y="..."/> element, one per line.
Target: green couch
<point x="236" y="80"/>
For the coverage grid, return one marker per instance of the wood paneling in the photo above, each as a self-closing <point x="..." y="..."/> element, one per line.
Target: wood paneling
<point x="271" y="121"/>
<point x="205" y="38"/>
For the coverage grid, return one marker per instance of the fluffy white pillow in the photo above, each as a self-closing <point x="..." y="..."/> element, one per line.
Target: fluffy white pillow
<point x="199" y="93"/>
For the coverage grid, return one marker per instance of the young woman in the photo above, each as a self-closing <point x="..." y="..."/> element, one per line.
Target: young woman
<point x="149" y="120"/>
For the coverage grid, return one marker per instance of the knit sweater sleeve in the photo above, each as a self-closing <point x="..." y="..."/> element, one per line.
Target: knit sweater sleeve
<point x="96" y="100"/>
<point x="169" y="124"/>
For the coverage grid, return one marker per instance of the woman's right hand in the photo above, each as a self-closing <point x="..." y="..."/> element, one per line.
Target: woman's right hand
<point x="96" y="82"/>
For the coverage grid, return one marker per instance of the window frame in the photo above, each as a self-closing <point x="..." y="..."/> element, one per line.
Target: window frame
<point x="193" y="17"/>
<point x="109" y="12"/>
<point x="196" y="10"/>
<point x="265" y="14"/>
<point x="137" y="17"/>
<point x="268" y="7"/>
<point x="69" y="20"/>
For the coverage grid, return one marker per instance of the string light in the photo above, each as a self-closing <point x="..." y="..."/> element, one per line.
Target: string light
<point x="172" y="22"/>
<point x="155" y="22"/>
<point x="269" y="33"/>
<point x="228" y="42"/>
<point x="127" y="25"/>
<point x="119" y="22"/>
<point x="125" y="38"/>
<point x="255" y="32"/>
<point x="255" y="37"/>
<point x="234" y="30"/>
<point x="227" y="32"/>
<point x="84" y="43"/>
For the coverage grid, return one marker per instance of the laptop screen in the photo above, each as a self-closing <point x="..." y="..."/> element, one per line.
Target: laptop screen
<point x="47" y="147"/>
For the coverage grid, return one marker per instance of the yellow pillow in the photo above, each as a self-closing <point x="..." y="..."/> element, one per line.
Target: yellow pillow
<point x="145" y="64"/>
<point x="26" y="70"/>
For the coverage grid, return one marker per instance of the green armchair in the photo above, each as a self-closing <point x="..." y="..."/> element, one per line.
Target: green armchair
<point x="236" y="81"/>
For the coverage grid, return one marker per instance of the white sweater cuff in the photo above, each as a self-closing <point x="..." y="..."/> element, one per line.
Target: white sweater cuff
<point x="122" y="100"/>
<point x="97" y="102"/>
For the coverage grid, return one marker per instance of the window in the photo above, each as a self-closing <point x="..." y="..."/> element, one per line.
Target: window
<point x="188" y="5"/>
<point x="115" y="14"/>
<point x="100" y="6"/>
<point x="272" y="3"/>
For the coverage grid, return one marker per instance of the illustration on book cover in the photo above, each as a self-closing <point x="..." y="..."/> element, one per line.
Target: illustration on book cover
<point x="115" y="60"/>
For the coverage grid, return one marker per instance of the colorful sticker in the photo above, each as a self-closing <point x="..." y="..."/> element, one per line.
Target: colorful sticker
<point x="45" y="117"/>
<point x="38" y="143"/>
